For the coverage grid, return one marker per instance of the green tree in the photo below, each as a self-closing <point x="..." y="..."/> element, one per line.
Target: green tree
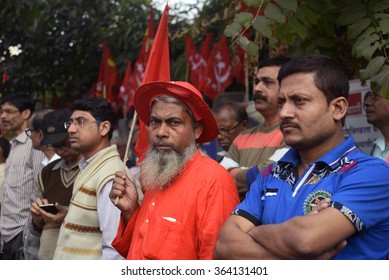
<point x="355" y="32"/>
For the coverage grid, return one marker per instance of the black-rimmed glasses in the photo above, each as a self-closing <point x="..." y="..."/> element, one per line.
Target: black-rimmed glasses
<point x="80" y="122"/>
<point x="225" y="131"/>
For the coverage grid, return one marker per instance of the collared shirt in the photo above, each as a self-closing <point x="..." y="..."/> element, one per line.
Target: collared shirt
<point x="22" y="167"/>
<point x="108" y="214"/>
<point x="357" y="184"/>
<point x="47" y="160"/>
<point x="380" y="149"/>
<point x="183" y="220"/>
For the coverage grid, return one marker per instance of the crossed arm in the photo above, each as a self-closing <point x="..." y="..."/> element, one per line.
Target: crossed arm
<point x="317" y="236"/>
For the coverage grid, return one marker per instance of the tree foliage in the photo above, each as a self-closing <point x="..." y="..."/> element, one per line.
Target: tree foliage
<point x="61" y="41"/>
<point x="355" y="32"/>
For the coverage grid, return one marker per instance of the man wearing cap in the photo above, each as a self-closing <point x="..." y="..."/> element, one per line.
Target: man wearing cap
<point x="187" y="196"/>
<point x="55" y="181"/>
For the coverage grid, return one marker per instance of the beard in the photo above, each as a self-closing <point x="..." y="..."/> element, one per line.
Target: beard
<point x="159" y="168"/>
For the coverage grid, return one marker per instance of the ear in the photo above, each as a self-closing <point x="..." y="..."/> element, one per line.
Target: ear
<point x="26" y="114"/>
<point x="105" y="128"/>
<point x="339" y="106"/>
<point x="198" y="130"/>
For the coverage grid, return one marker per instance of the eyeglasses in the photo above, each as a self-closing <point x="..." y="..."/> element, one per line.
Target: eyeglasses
<point x="226" y="131"/>
<point x="80" y="122"/>
<point x="8" y="111"/>
<point x="28" y="131"/>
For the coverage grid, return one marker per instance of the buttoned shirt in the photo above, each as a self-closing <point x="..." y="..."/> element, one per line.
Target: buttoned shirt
<point x="183" y="220"/>
<point x="22" y="167"/>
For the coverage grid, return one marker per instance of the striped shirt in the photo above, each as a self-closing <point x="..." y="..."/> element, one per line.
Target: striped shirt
<point x="22" y="167"/>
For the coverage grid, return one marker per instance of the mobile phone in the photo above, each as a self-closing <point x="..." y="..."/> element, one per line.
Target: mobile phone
<point x="50" y="208"/>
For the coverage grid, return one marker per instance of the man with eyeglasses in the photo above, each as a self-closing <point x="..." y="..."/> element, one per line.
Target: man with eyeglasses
<point x="254" y="147"/>
<point x="55" y="182"/>
<point x="377" y="114"/>
<point x="231" y="119"/>
<point x="91" y="222"/>
<point x="22" y="164"/>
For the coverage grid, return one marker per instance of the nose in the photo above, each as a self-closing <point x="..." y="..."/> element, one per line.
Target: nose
<point x="286" y="111"/>
<point x="162" y="130"/>
<point x="71" y="128"/>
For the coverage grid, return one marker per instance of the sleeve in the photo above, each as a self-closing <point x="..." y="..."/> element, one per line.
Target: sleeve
<point x="251" y="207"/>
<point x="363" y="194"/>
<point x="217" y="204"/>
<point x="109" y="217"/>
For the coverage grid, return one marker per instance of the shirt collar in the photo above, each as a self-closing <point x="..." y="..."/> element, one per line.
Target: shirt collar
<point x="330" y="158"/>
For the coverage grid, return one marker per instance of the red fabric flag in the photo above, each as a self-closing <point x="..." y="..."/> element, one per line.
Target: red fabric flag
<point x="218" y="74"/>
<point x="141" y="62"/>
<point x="108" y="81"/>
<point x="125" y="89"/>
<point x="238" y="64"/>
<point x="197" y="60"/>
<point x="157" y="69"/>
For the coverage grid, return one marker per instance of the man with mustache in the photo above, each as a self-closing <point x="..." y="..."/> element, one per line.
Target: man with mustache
<point x="22" y="166"/>
<point x="255" y="146"/>
<point x="187" y="196"/>
<point x="377" y="114"/>
<point x="275" y="221"/>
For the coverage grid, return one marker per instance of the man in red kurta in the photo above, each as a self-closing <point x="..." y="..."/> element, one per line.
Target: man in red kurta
<point x="187" y="196"/>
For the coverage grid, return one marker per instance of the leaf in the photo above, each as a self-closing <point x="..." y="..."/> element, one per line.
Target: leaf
<point x="243" y="42"/>
<point x="384" y="25"/>
<point x="367" y="47"/>
<point x="374" y="65"/>
<point x="232" y="30"/>
<point x="242" y="18"/>
<point x="355" y="29"/>
<point x="289" y="5"/>
<point x="306" y="14"/>
<point x="263" y="25"/>
<point x="274" y="12"/>
<point x="254" y="3"/>
<point x="300" y="29"/>
<point x="352" y="13"/>
<point x="252" y="49"/>
<point x="379" y="5"/>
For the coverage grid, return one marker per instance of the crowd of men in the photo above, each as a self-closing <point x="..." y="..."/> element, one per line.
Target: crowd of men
<point x="292" y="187"/>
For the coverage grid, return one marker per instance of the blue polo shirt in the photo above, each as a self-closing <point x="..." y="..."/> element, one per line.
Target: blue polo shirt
<point x="357" y="184"/>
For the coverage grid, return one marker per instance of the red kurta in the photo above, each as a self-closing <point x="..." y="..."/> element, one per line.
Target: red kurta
<point x="182" y="221"/>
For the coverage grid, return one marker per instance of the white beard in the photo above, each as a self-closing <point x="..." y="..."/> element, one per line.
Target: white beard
<point x="159" y="168"/>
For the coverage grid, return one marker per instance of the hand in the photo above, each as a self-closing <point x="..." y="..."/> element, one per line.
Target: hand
<point x="55" y="218"/>
<point x="124" y="195"/>
<point x="35" y="211"/>
<point x="332" y="252"/>
<point x="325" y="203"/>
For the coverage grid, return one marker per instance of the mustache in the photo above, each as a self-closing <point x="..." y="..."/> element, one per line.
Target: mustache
<point x="259" y="96"/>
<point x="287" y="123"/>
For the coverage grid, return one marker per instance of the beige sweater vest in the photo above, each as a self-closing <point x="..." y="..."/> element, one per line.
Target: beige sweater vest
<point x="80" y="236"/>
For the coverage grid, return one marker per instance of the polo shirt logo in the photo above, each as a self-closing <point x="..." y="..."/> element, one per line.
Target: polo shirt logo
<point x="314" y="199"/>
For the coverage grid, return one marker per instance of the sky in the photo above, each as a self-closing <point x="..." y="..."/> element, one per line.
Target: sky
<point x="160" y="4"/>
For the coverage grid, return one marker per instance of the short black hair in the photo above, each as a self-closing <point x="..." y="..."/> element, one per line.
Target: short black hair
<point x="330" y="76"/>
<point x="273" y="61"/>
<point x="5" y="146"/>
<point x="99" y="108"/>
<point x="20" y="100"/>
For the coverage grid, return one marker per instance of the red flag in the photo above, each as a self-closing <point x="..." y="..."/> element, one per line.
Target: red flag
<point x="218" y="74"/>
<point x="157" y="69"/>
<point x="197" y="60"/>
<point x="108" y="81"/>
<point x="238" y="64"/>
<point x="125" y="89"/>
<point x="141" y="62"/>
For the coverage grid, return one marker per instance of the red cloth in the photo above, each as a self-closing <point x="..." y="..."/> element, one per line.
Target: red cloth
<point x="218" y="73"/>
<point x="141" y="62"/>
<point x="199" y="200"/>
<point x="108" y="80"/>
<point x="157" y="69"/>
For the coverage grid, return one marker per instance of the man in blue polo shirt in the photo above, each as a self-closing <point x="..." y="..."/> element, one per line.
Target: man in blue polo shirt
<point x="275" y="221"/>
